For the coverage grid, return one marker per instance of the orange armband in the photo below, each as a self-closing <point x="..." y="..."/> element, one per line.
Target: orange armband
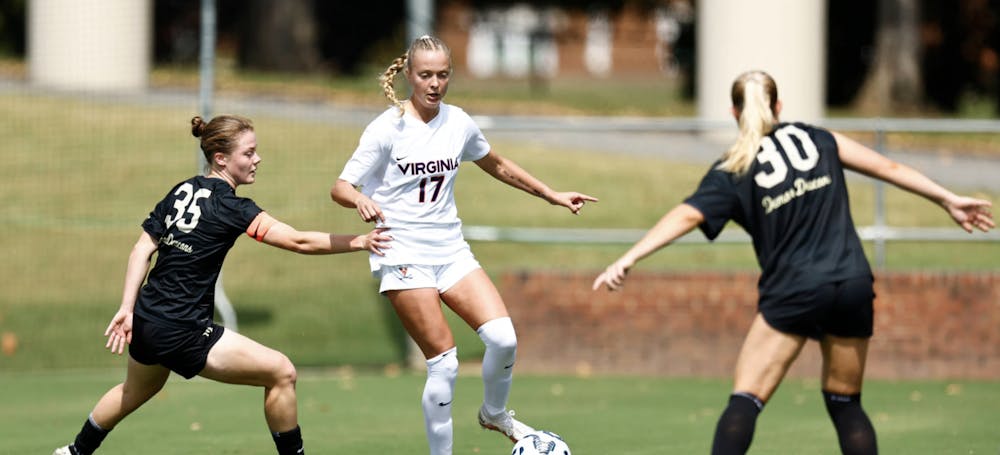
<point x="260" y="225"/>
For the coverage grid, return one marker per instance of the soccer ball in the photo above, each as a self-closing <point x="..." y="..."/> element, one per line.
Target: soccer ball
<point x="541" y="443"/>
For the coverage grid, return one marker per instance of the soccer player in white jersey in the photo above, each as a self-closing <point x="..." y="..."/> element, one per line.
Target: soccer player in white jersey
<point x="405" y="166"/>
<point x="784" y="184"/>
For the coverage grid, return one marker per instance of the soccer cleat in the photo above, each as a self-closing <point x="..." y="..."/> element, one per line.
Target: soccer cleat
<point x="64" y="450"/>
<point x="504" y="423"/>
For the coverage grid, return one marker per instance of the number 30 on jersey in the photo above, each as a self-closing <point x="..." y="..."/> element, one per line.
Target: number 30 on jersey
<point x="802" y="158"/>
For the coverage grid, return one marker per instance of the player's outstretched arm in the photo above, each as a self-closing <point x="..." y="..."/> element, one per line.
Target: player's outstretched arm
<point x="267" y="229"/>
<point x="119" y="331"/>
<point x="969" y="213"/>
<point x="678" y="221"/>
<point x="510" y="173"/>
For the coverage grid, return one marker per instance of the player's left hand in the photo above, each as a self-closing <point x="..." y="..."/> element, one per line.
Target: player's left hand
<point x="572" y="200"/>
<point x="614" y="276"/>
<point x="971" y="213"/>
<point x="376" y="241"/>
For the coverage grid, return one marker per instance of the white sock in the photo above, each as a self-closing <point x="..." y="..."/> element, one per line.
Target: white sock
<point x="438" y="392"/>
<point x="498" y="363"/>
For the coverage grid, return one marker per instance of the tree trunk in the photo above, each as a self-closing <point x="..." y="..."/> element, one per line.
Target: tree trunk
<point x="280" y="35"/>
<point x="894" y="84"/>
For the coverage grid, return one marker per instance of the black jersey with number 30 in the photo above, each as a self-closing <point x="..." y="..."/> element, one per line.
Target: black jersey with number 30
<point x="196" y="224"/>
<point x="793" y="202"/>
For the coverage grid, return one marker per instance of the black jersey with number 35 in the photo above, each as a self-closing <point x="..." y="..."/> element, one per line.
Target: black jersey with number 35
<point x="793" y="202"/>
<point x="196" y="224"/>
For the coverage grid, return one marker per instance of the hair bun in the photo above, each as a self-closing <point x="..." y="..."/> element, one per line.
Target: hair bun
<point x="197" y="126"/>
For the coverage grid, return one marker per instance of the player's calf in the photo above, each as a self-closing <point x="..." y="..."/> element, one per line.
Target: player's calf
<point x="854" y="430"/>
<point x="734" y="432"/>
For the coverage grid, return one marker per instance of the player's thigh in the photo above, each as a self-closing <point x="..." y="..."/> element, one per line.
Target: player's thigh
<point x="764" y="359"/>
<point x="843" y="364"/>
<point x="475" y="299"/>
<point x="236" y="359"/>
<point x="420" y="312"/>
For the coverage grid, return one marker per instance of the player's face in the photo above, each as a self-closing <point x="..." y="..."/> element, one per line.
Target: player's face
<point x="429" y="74"/>
<point x="242" y="163"/>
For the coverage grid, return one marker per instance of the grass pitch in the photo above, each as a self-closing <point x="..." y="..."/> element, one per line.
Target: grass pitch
<point x="80" y="176"/>
<point x="377" y="413"/>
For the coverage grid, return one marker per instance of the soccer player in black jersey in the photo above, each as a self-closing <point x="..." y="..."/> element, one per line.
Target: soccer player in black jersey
<point x="167" y="322"/>
<point x="784" y="184"/>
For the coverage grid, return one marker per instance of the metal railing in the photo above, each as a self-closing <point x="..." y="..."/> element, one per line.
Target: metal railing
<point x="879" y="233"/>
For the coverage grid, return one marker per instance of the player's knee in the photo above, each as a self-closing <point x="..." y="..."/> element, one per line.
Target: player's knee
<point x="284" y="373"/>
<point x="499" y="334"/>
<point x="444" y="365"/>
<point x="442" y="371"/>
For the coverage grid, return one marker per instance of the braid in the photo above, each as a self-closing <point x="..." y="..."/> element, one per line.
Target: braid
<point x="423" y="43"/>
<point x="388" y="89"/>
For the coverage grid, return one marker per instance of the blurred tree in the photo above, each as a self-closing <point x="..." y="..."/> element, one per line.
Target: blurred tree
<point x="849" y="48"/>
<point x="994" y="58"/>
<point x="612" y="5"/>
<point x="279" y="35"/>
<point x="893" y="83"/>
<point x="961" y="45"/>
<point x="943" y="68"/>
<point x="12" y="30"/>
<point x="352" y="38"/>
<point x="176" y="31"/>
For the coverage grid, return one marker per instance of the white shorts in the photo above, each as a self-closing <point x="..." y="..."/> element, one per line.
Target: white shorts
<point x="415" y="276"/>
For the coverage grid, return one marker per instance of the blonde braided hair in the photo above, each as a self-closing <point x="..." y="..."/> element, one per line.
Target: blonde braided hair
<point x="424" y="43"/>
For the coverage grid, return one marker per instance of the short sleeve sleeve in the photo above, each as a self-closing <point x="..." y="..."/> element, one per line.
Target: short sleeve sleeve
<point x="476" y="145"/>
<point x="717" y="201"/>
<point x="237" y="212"/>
<point x="366" y="157"/>
<point x="155" y="224"/>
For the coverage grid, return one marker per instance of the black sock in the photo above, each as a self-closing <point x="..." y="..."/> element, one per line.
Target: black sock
<point x="735" y="429"/>
<point x="854" y="429"/>
<point x="289" y="442"/>
<point x="89" y="438"/>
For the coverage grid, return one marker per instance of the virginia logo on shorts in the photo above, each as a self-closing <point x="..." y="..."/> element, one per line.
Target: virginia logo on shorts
<point x="403" y="273"/>
<point x="208" y="332"/>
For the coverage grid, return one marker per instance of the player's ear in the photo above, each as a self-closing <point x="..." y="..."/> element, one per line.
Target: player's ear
<point x="220" y="159"/>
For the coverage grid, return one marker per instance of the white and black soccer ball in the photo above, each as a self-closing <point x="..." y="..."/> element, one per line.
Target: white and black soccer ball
<point x="541" y="443"/>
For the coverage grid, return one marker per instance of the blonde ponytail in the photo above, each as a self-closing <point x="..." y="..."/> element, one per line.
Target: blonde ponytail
<point x="754" y="95"/>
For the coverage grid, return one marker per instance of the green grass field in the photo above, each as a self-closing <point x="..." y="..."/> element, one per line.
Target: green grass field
<point x="80" y="174"/>
<point x="343" y="411"/>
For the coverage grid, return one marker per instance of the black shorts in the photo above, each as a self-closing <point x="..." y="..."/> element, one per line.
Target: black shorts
<point x="182" y="350"/>
<point x="843" y="309"/>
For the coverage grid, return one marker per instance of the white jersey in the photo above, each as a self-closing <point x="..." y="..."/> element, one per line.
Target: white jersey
<point x="408" y="168"/>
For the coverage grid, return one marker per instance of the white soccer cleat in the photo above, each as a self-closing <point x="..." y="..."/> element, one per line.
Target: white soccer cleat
<point x="64" y="450"/>
<point x="504" y="423"/>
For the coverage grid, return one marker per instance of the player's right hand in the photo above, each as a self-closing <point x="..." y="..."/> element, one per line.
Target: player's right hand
<point x="368" y="210"/>
<point x="119" y="332"/>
